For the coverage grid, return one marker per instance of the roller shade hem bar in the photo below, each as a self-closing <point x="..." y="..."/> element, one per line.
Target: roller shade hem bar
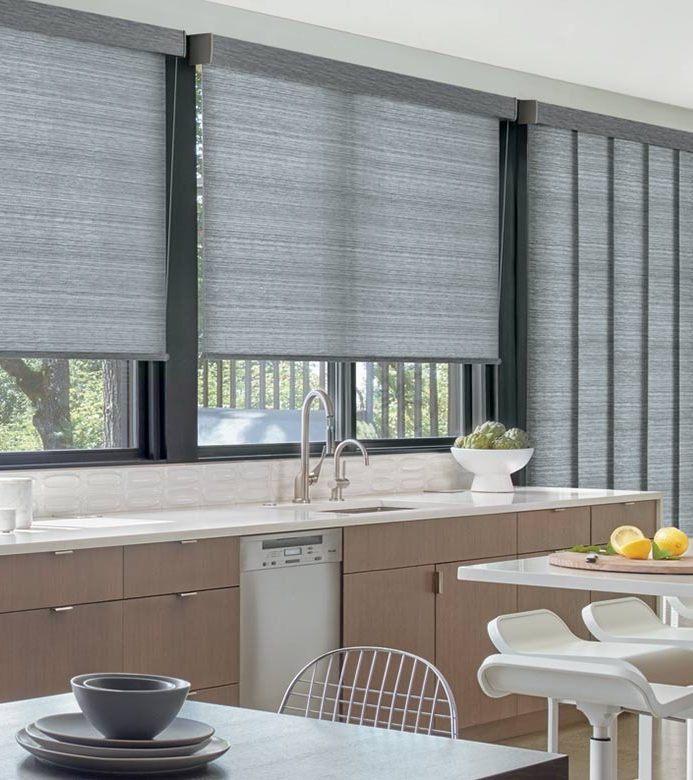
<point x="29" y="354"/>
<point x="268" y="61"/>
<point x="352" y="359"/>
<point x="57" y="21"/>
<point x="533" y="112"/>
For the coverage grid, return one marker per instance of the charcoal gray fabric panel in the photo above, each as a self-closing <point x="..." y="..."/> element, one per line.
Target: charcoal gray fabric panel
<point x="662" y="272"/>
<point x="95" y="28"/>
<point x="594" y="309"/>
<point x="552" y="281"/>
<point x="627" y="322"/>
<point x="685" y="301"/>
<point x="535" y="112"/>
<point x="82" y="197"/>
<point x="342" y="225"/>
<point x="321" y="73"/>
<point x="630" y="314"/>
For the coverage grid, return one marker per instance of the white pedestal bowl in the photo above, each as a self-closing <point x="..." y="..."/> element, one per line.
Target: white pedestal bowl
<point x="492" y="468"/>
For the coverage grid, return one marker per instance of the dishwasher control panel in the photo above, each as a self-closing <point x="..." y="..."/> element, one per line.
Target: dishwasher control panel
<point x="276" y="551"/>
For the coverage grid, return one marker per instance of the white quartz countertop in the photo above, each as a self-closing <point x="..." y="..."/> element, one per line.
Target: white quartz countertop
<point x="539" y="573"/>
<point x="123" y="528"/>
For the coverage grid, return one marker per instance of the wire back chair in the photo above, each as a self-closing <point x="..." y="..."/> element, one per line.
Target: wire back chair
<point x="374" y="686"/>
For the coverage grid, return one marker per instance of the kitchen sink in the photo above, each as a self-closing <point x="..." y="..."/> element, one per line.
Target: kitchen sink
<point x="362" y="510"/>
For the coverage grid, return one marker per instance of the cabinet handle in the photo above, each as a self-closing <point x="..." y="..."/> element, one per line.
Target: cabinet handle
<point x="192" y="693"/>
<point x="559" y="509"/>
<point x="439" y="583"/>
<point x="188" y="541"/>
<point x="62" y="609"/>
<point x="187" y="594"/>
<point x="629" y="503"/>
<point x="63" y="552"/>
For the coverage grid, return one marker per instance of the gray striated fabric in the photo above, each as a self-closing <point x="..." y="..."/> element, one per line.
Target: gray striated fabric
<point x="346" y="225"/>
<point x="82" y="199"/>
<point x="610" y="268"/>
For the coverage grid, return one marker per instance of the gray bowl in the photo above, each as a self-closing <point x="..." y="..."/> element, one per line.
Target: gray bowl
<point x="129" y="706"/>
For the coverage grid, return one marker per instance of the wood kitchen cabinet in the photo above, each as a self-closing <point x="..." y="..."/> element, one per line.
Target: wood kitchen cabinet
<point x="606" y="517"/>
<point x="393" y="608"/>
<point x="463" y="610"/>
<point x="41" y="649"/>
<point x="193" y="636"/>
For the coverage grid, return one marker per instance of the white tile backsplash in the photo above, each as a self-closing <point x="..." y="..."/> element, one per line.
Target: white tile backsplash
<point x="130" y="488"/>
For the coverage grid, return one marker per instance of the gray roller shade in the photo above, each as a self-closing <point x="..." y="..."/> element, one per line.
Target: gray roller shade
<point x="82" y="198"/>
<point x="344" y="218"/>
<point x="610" y="318"/>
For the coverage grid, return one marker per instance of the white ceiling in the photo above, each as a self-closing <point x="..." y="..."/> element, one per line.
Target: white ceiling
<point x="636" y="47"/>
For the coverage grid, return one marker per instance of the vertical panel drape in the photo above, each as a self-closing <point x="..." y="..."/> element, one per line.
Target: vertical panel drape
<point x="610" y="318"/>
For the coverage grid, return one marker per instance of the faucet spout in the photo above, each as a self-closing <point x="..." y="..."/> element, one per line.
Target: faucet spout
<point x="305" y="477"/>
<point x="340" y="480"/>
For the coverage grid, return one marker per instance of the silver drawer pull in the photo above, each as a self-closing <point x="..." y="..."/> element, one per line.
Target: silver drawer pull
<point x="559" y="509"/>
<point x="192" y="693"/>
<point x="63" y="552"/>
<point x="62" y="609"/>
<point x="629" y="503"/>
<point x="187" y="594"/>
<point x="188" y="541"/>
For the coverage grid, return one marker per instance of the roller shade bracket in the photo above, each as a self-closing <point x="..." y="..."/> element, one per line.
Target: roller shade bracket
<point x="201" y="49"/>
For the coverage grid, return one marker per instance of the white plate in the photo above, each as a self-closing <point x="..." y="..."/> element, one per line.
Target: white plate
<point x="61" y="746"/>
<point x="74" y="727"/>
<point x="125" y="766"/>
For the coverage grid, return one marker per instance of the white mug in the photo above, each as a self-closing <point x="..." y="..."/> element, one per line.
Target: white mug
<point x="8" y="519"/>
<point x="16" y="492"/>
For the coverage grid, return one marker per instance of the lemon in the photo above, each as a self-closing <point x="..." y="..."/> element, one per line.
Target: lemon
<point x="639" y="549"/>
<point x="623" y="535"/>
<point x="672" y="540"/>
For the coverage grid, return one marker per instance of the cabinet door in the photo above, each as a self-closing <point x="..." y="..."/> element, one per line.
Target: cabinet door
<point x="568" y="604"/>
<point x="606" y="517"/>
<point x="43" y="648"/>
<point x="393" y="608"/>
<point x="193" y="636"/>
<point x="463" y="610"/>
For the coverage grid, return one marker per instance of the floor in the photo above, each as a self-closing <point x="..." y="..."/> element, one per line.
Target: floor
<point x="670" y="749"/>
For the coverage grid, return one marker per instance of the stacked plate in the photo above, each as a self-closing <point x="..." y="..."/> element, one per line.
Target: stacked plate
<point x="70" y="741"/>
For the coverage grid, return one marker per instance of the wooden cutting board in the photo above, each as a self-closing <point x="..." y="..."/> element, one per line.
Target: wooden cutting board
<point x="617" y="563"/>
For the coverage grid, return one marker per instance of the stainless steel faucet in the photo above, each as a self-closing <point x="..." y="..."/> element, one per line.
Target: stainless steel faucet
<point x="305" y="477"/>
<point x="340" y="481"/>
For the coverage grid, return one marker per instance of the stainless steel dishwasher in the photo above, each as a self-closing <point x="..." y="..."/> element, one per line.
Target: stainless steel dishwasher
<point x="290" y="609"/>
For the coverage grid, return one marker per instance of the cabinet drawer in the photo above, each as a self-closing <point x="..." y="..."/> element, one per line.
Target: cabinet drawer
<point x="606" y="517"/>
<point x="173" y="567"/>
<point x="42" y="649"/>
<point x="552" y="529"/>
<point x="224" y="694"/>
<point x="55" y="579"/>
<point x="422" y="542"/>
<point x="192" y="636"/>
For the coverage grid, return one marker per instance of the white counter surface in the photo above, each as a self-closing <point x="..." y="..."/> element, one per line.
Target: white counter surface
<point x="539" y="573"/>
<point x="48" y="534"/>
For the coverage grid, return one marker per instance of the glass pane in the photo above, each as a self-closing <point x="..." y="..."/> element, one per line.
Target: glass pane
<point x="257" y="401"/>
<point x="62" y="404"/>
<point x="407" y="400"/>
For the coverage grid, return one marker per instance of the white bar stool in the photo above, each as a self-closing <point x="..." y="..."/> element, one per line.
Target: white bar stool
<point x="601" y="689"/>
<point x="627" y="620"/>
<point x="542" y="632"/>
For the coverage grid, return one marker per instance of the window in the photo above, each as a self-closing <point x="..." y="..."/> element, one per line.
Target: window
<point x="61" y="404"/>
<point x="256" y="401"/>
<point x="407" y="400"/>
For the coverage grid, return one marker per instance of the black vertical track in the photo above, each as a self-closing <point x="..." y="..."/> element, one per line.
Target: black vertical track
<point x="179" y="375"/>
<point x="512" y="283"/>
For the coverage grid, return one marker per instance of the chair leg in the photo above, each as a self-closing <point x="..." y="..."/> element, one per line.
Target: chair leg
<point x="552" y="726"/>
<point x="601" y="748"/>
<point x="689" y="750"/>
<point x="645" y="745"/>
